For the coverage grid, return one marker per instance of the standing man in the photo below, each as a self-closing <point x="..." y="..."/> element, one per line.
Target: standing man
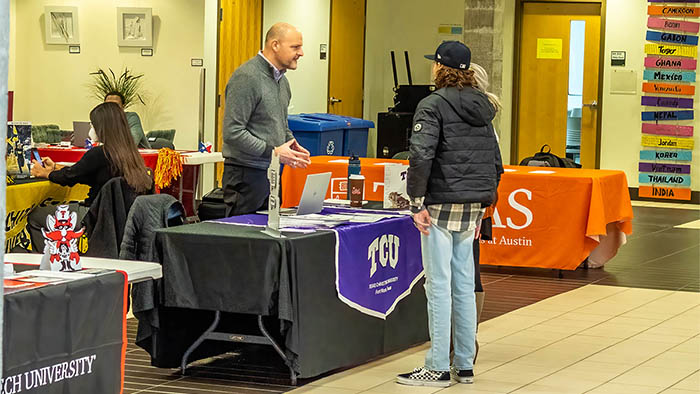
<point x="255" y="121"/>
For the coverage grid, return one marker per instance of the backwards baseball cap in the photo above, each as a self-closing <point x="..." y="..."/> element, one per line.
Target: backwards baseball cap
<point x="452" y="54"/>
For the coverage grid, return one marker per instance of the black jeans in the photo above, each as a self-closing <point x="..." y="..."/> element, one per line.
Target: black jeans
<point x="246" y="189"/>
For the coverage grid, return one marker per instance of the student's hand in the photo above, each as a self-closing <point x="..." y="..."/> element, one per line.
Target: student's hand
<point x="422" y="221"/>
<point x="42" y="172"/>
<point x="291" y="157"/>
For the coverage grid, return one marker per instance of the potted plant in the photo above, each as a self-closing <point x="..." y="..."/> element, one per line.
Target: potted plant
<point x="127" y="83"/>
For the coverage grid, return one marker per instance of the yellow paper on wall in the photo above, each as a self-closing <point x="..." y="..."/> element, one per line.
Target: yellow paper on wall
<point x="667" y="142"/>
<point x="670" y="50"/>
<point x="549" y="48"/>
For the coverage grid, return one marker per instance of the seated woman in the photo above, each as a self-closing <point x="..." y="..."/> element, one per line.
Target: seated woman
<point x="116" y="156"/>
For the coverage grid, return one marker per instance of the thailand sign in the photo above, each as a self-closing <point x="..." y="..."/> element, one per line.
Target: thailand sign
<point x="664" y="179"/>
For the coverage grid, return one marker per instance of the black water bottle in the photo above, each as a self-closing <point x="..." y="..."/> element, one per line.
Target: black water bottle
<point x="354" y="168"/>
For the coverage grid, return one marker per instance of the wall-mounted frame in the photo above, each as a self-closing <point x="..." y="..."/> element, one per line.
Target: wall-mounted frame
<point x="134" y="27"/>
<point x="61" y="25"/>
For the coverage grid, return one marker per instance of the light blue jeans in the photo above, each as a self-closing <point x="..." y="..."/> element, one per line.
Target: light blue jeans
<point x="448" y="260"/>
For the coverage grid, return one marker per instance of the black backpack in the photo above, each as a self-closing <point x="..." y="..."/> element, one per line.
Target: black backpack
<point x="548" y="159"/>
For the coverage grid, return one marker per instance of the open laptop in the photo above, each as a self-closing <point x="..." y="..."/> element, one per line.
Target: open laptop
<point x="312" y="197"/>
<point x="81" y="131"/>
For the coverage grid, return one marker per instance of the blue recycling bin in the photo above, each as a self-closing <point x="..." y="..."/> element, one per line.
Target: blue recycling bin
<point x="320" y="135"/>
<point x="355" y="133"/>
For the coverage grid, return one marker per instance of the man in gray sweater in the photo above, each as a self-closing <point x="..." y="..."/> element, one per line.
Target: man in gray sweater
<point x="255" y="121"/>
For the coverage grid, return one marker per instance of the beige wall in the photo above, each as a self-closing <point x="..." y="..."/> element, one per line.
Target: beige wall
<point x="401" y="25"/>
<point x="621" y="130"/>
<point x="309" y="83"/>
<point x="50" y="83"/>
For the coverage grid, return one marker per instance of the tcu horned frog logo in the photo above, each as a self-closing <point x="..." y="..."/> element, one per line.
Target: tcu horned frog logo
<point x="62" y="239"/>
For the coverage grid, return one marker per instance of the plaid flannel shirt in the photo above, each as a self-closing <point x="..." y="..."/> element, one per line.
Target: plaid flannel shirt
<point x="456" y="217"/>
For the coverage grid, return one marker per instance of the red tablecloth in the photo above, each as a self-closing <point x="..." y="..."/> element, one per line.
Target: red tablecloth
<point x="73" y="154"/>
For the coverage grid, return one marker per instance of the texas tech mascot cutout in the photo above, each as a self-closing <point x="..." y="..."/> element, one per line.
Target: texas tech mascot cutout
<point x="61" y="249"/>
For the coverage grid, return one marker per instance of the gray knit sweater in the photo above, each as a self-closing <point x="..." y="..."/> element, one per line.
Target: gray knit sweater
<point x="255" y="117"/>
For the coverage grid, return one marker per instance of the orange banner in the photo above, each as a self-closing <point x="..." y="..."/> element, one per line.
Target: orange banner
<point x="546" y="218"/>
<point x="669" y="193"/>
<point x="668" y="88"/>
<point x="673" y="11"/>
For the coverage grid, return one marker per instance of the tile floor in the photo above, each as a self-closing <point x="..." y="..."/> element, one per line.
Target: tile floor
<point x="594" y="339"/>
<point x="625" y="328"/>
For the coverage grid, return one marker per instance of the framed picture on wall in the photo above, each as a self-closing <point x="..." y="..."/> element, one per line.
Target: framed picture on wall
<point x="61" y="25"/>
<point x="134" y="27"/>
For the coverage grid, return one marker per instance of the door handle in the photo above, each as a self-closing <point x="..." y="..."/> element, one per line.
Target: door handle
<point x="592" y="105"/>
<point x="334" y="100"/>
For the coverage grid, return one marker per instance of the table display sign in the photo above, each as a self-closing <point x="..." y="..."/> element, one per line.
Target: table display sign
<point x="61" y="245"/>
<point x="19" y="145"/>
<point x="667" y="141"/>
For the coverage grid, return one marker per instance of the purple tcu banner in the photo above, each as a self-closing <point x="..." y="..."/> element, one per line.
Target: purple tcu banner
<point x="376" y="264"/>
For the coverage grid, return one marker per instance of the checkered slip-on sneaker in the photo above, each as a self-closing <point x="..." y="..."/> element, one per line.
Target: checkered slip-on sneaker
<point x="425" y="377"/>
<point x="463" y="375"/>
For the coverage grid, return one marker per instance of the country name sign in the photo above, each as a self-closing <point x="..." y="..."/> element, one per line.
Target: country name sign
<point x="666" y="155"/>
<point x="657" y="141"/>
<point x="662" y="167"/>
<point x="674" y="76"/>
<point x="670" y="63"/>
<point x="671" y="193"/>
<point x="668" y="88"/>
<point x="672" y="102"/>
<point x="673" y="11"/>
<point x="667" y="129"/>
<point x="671" y="50"/>
<point x="667" y="115"/>
<point x="673" y="24"/>
<point x="672" y="37"/>
<point x="664" y="179"/>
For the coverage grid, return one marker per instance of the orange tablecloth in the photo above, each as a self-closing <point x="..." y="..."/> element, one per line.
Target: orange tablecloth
<point x="73" y="154"/>
<point x="545" y="217"/>
<point x="293" y="179"/>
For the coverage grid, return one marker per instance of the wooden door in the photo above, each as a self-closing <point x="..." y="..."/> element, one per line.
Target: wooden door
<point x="558" y="81"/>
<point x="240" y="38"/>
<point x="347" y="57"/>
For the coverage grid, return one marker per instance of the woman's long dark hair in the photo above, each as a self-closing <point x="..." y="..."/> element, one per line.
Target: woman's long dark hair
<point x="119" y="147"/>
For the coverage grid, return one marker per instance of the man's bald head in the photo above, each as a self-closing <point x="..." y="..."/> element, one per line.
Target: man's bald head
<point x="278" y="31"/>
<point x="283" y="44"/>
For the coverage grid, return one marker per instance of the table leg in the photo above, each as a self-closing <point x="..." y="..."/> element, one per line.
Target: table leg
<point x="266" y="339"/>
<point x="292" y="374"/>
<point x="202" y="338"/>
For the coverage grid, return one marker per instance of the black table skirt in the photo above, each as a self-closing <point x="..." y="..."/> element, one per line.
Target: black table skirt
<point x="66" y="338"/>
<point x="237" y="269"/>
